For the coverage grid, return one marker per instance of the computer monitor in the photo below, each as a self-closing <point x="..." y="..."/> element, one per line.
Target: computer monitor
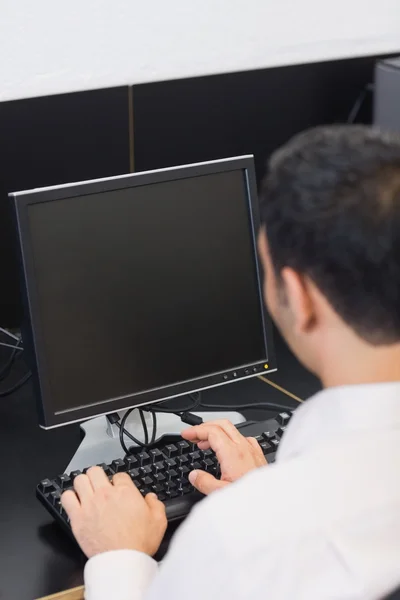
<point x="141" y="287"/>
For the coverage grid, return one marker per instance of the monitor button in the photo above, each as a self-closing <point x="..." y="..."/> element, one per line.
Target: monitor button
<point x="226" y="377"/>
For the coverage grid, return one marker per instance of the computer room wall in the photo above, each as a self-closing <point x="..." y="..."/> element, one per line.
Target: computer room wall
<point x="98" y="88"/>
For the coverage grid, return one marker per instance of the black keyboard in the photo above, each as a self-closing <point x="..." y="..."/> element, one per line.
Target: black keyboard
<point x="164" y="469"/>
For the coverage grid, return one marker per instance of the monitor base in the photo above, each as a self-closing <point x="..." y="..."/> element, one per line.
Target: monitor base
<point x="101" y="439"/>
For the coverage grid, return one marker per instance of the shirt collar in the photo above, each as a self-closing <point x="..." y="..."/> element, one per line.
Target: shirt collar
<point x="340" y="411"/>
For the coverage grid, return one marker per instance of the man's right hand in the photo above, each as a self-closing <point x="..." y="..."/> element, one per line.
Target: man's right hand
<point x="237" y="455"/>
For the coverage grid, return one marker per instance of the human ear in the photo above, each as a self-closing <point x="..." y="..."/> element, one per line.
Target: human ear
<point x="300" y="300"/>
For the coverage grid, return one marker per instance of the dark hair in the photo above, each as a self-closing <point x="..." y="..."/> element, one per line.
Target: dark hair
<point x="330" y="204"/>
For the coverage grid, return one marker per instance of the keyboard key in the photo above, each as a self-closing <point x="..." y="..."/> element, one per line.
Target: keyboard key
<point x="155" y="455"/>
<point x="182" y="460"/>
<point x="187" y="489"/>
<point x="183" y="470"/>
<point x="159" y="477"/>
<point x="64" y="481"/>
<point x="157" y="488"/>
<point x="144" y="458"/>
<point x="147" y="470"/>
<point x="147" y="480"/>
<point x="119" y="466"/>
<point x="207" y="453"/>
<point x="131" y="462"/>
<point x="266" y="447"/>
<point x="171" y="494"/>
<point x="159" y="467"/>
<point x="55" y="499"/>
<point x="145" y="490"/>
<point x="280" y="431"/>
<point x="283" y="418"/>
<point x="172" y="474"/>
<point x="207" y="463"/>
<point x="268" y="435"/>
<point x="171" y="463"/>
<point x="193" y="456"/>
<point x="274" y="443"/>
<point x="107" y="469"/>
<point x="213" y="470"/>
<point x="46" y="486"/>
<point x="183" y="447"/>
<point x="195" y="466"/>
<point x="74" y="474"/>
<point x="162" y="496"/>
<point x="134" y="473"/>
<point x="171" y="450"/>
<point x="181" y="481"/>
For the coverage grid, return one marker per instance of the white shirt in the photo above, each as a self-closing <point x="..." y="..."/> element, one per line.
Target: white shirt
<point x="322" y="522"/>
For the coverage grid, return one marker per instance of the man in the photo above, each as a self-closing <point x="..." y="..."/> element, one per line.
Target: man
<point x="324" y="520"/>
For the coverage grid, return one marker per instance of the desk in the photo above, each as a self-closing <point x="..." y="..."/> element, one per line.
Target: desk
<point x="36" y="558"/>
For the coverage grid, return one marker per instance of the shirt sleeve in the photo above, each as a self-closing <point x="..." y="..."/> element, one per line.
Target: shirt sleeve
<point x="195" y="567"/>
<point x="122" y="574"/>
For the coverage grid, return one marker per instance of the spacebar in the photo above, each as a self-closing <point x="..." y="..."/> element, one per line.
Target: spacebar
<point x="177" y="508"/>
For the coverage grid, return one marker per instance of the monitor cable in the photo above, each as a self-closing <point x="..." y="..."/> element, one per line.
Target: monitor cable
<point x="16" y="386"/>
<point x="114" y="419"/>
<point x="5" y="370"/>
<point x="262" y="405"/>
<point x="9" y="334"/>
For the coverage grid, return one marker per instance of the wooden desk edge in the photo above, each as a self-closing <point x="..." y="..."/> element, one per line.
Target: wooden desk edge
<point x="77" y="593"/>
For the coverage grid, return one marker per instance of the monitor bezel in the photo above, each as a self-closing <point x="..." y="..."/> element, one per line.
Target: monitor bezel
<point x="32" y="330"/>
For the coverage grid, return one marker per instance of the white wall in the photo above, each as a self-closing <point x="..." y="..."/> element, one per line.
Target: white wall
<point x="52" y="46"/>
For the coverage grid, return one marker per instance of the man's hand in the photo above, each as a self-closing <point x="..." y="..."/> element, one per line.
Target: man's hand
<point x="236" y="454"/>
<point x="107" y="516"/>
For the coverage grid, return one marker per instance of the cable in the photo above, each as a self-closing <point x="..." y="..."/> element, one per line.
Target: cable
<point x="196" y="401"/>
<point x="17" y="386"/>
<point x="10" y="346"/>
<point x="144" y="425"/>
<point x="7" y="367"/>
<point x="8" y="333"/>
<point x="154" y="434"/>
<point x="123" y="431"/>
<point x="121" y="438"/>
<point x="262" y="405"/>
<point x="359" y="102"/>
<point x="278" y="387"/>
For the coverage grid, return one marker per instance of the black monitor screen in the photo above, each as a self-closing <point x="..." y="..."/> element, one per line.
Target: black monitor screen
<point x="143" y="287"/>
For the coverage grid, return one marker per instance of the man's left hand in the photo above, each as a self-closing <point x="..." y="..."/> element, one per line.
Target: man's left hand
<point x="113" y="516"/>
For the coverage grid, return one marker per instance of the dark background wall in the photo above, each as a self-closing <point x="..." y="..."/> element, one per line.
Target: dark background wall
<point x="70" y="137"/>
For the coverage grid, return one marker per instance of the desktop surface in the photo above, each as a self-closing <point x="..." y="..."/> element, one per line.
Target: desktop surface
<point x="36" y="557"/>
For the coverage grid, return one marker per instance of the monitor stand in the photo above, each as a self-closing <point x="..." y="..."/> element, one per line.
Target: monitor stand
<point x="101" y="444"/>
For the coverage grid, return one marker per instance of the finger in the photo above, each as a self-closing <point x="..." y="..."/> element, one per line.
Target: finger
<point x="83" y="488"/>
<point x="201" y="433"/>
<point x="123" y="479"/>
<point x="70" y="503"/>
<point x="98" y="478"/>
<point x="205" y="483"/>
<point x="204" y="445"/>
<point x="229" y="429"/>
<point x="261" y="460"/>
<point x="156" y="506"/>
